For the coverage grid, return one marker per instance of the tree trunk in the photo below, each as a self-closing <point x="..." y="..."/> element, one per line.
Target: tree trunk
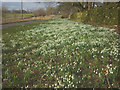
<point x="88" y="5"/>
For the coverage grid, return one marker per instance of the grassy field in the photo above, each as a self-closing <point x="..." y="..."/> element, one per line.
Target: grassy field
<point x="60" y="53"/>
<point x="12" y="17"/>
<point x="17" y="15"/>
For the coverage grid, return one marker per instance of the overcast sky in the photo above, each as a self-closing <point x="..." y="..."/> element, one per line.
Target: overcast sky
<point x="26" y="5"/>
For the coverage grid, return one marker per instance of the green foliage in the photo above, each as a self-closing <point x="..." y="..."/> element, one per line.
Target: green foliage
<point x="107" y="15"/>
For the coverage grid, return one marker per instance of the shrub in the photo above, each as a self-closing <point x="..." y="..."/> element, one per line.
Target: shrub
<point x="107" y="15"/>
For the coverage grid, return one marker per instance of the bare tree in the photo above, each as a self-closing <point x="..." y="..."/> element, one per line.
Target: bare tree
<point x="66" y="9"/>
<point x="40" y="12"/>
<point x="50" y="10"/>
<point x="4" y="11"/>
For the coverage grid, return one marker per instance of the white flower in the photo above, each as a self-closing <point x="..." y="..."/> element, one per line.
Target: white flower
<point x="80" y="62"/>
<point x="108" y="66"/>
<point x="99" y="75"/>
<point x="102" y="57"/>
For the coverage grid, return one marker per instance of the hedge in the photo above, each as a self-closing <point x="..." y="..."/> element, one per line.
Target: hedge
<point x="107" y="15"/>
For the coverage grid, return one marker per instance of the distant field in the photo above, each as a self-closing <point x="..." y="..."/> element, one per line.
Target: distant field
<point x="17" y="15"/>
<point x="60" y="53"/>
<point x="10" y="18"/>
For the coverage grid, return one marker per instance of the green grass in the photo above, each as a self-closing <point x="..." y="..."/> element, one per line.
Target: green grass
<point x="18" y="28"/>
<point x="60" y="54"/>
<point x="16" y="15"/>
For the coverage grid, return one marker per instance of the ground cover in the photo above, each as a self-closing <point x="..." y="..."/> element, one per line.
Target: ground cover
<point x="60" y="53"/>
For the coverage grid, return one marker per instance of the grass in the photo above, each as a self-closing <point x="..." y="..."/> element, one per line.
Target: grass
<point x="13" y="17"/>
<point x="16" y="15"/>
<point x="25" y="27"/>
<point x="60" y="54"/>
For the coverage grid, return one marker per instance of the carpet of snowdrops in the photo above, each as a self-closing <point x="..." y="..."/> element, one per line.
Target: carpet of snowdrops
<point x="61" y="54"/>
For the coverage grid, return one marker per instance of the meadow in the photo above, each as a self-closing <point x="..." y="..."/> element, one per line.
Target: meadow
<point x="17" y="15"/>
<point x="60" y="54"/>
<point x="13" y="17"/>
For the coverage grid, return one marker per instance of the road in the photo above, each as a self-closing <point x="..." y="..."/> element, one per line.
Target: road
<point x="19" y="23"/>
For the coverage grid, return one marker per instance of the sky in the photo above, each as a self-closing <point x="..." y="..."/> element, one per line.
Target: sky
<point x="26" y="5"/>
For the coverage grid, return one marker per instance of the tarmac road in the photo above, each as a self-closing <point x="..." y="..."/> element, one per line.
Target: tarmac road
<point x="20" y="23"/>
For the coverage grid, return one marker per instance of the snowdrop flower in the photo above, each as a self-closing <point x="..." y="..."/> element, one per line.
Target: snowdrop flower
<point x="99" y="75"/>
<point x="102" y="57"/>
<point x="108" y="66"/>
